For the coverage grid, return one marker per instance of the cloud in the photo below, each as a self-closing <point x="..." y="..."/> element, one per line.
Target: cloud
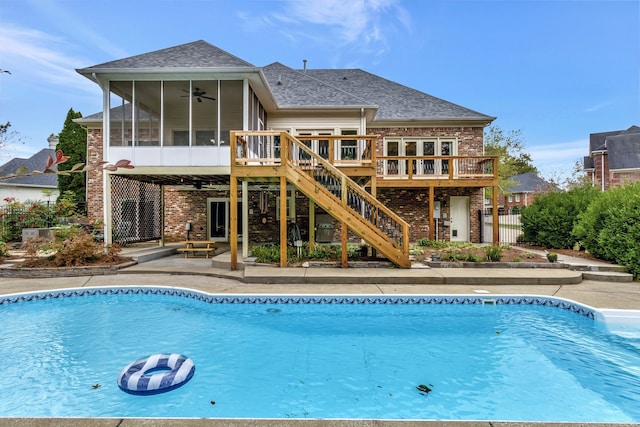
<point x="34" y="53"/>
<point x="366" y="23"/>
<point x="559" y="152"/>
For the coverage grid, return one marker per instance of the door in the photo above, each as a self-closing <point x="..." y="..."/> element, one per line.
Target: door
<point x="459" y="218"/>
<point x="218" y="219"/>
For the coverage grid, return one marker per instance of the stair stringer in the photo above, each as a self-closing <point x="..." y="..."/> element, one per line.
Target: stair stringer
<point x="355" y="222"/>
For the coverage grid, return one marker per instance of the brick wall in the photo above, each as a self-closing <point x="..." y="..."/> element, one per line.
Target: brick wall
<point x="413" y="206"/>
<point x="95" y="197"/>
<point x="470" y="139"/>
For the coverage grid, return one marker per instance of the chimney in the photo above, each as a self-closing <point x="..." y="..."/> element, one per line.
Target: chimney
<point x="53" y="141"/>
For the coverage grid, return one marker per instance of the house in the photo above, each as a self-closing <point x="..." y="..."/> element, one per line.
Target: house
<point x="614" y="158"/>
<point x="524" y="190"/>
<point x="43" y="187"/>
<point x="226" y="150"/>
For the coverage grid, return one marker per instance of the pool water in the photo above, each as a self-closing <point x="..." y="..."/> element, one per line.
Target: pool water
<point x="295" y="359"/>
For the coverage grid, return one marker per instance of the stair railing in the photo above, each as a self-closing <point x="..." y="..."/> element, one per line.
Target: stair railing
<point x="347" y="191"/>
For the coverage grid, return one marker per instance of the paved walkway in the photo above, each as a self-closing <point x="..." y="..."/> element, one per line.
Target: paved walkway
<point x="200" y="274"/>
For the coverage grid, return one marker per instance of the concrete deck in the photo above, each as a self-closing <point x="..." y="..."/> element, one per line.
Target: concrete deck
<point x="199" y="274"/>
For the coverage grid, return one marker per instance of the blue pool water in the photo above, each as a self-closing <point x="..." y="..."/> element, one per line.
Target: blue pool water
<point x="317" y="357"/>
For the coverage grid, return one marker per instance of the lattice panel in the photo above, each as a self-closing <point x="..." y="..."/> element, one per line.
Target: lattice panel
<point x="136" y="210"/>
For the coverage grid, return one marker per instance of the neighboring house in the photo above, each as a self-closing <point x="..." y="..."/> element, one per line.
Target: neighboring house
<point x="614" y="158"/>
<point x="43" y="187"/>
<point x="230" y="151"/>
<point x="524" y="190"/>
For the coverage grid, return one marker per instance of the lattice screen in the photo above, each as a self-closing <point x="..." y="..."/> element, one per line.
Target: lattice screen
<point x="136" y="210"/>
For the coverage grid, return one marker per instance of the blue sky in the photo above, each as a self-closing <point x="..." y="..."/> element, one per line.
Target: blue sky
<point x="555" y="70"/>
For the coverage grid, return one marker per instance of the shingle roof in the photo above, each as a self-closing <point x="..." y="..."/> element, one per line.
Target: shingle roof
<point x="295" y="89"/>
<point x="624" y="151"/>
<point x="530" y="183"/>
<point x="395" y="101"/>
<point x="194" y="55"/>
<point x="622" y="147"/>
<point x="35" y="162"/>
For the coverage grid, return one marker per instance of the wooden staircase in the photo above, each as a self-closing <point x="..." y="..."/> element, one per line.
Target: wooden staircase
<point x="329" y="188"/>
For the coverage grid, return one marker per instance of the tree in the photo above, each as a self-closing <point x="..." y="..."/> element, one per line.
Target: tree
<point x="72" y="140"/>
<point x="512" y="158"/>
<point x="8" y="137"/>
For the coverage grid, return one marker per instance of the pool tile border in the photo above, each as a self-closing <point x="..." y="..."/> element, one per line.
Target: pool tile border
<point x="308" y="299"/>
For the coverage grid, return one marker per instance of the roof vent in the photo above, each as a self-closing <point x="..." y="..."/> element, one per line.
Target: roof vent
<point x="279" y="80"/>
<point x="304" y="64"/>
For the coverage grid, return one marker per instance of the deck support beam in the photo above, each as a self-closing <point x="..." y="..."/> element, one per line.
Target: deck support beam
<point x="233" y="219"/>
<point x="283" y="221"/>
<point x="432" y="230"/>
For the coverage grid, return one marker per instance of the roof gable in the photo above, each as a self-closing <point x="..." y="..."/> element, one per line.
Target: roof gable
<point x="194" y="55"/>
<point x="623" y="151"/>
<point x="36" y="162"/>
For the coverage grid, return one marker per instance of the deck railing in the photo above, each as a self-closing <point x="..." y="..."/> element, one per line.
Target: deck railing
<point x="264" y="147"/>
<point x="443" y="167"/>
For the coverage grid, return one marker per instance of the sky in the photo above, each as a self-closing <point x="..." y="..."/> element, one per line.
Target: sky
<point x="554" y="70"/>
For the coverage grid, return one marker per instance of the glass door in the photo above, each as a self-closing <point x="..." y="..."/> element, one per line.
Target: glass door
<point x="218" y="219"/>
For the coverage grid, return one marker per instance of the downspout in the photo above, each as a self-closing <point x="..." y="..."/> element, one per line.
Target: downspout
<point x="602" y="172"/>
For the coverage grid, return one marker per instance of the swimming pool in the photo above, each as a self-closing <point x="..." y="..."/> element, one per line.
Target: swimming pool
<point x="483" y="357"/>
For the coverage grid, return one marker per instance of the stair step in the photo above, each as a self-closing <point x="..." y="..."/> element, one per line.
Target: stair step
<point x="607" y="276"/>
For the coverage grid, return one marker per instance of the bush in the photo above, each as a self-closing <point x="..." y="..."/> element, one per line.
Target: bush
<point x="493" y="253"/>
<point x="549" y="221"/>
<point x="552" y="256"/>
<point x="4" y="251"/>
<point x="610" y="227"/>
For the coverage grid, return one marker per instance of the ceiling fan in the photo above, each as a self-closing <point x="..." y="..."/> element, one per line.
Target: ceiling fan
<point x="198" y="94"/>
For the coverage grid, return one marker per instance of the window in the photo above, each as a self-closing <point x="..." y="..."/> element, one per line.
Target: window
<point x="518" y="197"/>
<point x="510" y="198"/>
<point x="419" y="147"/>
<point x="348" y="148"/>
<point x="291" y="207"/>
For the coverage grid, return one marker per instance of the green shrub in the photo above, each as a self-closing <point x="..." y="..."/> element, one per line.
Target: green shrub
<point x="610" y="227"/>
<point x="267" y="254"/>
<point x="552" y="256"/>
<point x="4" y="251"/>
<point x="493" y="253"/>
<point x="474" y="258"/>
<point x="423" y="242"/>
<point x="549" y="221"/>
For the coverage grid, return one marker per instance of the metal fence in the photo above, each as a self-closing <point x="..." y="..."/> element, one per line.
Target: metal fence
<point x="509" y="226"/>
<point x="136" y="210"/>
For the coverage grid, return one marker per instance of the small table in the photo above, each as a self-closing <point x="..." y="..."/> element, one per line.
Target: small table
<point x="194" y="247"/>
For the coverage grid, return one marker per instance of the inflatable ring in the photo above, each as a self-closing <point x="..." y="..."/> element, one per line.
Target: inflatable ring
<point x="138" y="377"/>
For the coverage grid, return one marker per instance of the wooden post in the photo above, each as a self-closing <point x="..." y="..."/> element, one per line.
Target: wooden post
<point x="432" y="223"/>
<point x="283" y="221"/>
<point x="312" y="225"/>
<point x="496" y="223"/>
<point x="343" y="238"/>
<point x="233" y="218"/>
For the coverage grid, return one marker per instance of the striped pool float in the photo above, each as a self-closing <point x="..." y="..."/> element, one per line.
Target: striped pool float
<point x="138" y="377"/>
